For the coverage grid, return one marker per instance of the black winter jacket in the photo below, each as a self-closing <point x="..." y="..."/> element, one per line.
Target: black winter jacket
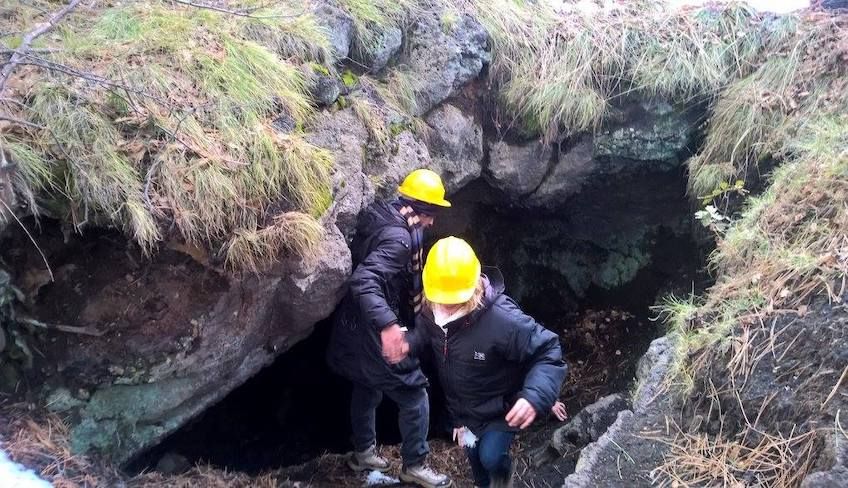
<point x="378" y="296"/>
<point x="491" y="358"/>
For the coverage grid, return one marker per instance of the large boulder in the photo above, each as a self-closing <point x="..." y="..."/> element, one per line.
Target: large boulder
<point x="165" y="337"/>
<point x="345" y="136"/>
<point x="445" y="52"/>
<point x="588" y="425"/>
<point x="518" y="170"/>
<point x="338" y="24"/>
<point x="456" y="146"/>
<point x="572" y="170"/>
<point x="407" y="153"/>
<point x="372" y="50"/>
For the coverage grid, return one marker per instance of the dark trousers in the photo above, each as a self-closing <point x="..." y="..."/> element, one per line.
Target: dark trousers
<point x="489" y="458"/>
<point x="413" y="420"/>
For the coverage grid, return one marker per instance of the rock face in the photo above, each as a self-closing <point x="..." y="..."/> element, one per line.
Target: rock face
<point x="517" y="170"/>
<point x="445" y="52"/>
<point x="588" y="425"/>
<point x="571" y="172"/>
<point x="164" y="351"/>
<point x="345" y="136"/>
<point x="835" y="4"/>
<point x="619" y="457"/>
<point x="648" y="130"/>
<point x="456" y="146"/>
<point x="375" y="52"/>
<point x="338" y="24"/>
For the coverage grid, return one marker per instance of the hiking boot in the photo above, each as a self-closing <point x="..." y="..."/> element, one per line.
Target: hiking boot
<point x="505" y="482"/>
<point x="423" y="476"/>
<point x="367" y="460"/>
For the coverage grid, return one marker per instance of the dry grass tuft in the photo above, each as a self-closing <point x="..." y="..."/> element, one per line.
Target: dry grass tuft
<point x="702" y="460"/>
<point x="40" y="442"/>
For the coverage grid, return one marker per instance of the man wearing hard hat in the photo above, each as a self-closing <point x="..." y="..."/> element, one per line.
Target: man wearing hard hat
<point x="384" y="296"/>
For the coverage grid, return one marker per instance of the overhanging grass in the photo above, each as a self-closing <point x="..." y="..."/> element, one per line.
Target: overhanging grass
<point x="563" y="69"/>
<point x="203" y="89"/>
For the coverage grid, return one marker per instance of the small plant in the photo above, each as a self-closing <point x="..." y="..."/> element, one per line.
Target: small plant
<point x="349" y="78"/>
<point x="448" y="21"/>
<point x="724" y="188"/>
<point x="712" y="219"/>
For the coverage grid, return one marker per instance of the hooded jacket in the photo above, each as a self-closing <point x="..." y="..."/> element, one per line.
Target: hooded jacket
<point x="490" y="358"/>
<point x="378" y="296"/>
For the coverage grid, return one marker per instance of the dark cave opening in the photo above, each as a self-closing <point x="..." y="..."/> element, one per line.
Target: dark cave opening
<point x="589" y="271"/>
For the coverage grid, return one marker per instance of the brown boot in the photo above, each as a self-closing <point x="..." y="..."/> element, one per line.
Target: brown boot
<point x="422" y="475"/>
<point x="367" y="460"/>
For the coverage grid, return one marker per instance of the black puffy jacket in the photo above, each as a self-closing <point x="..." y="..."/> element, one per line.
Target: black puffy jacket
<point x="378" y="296"/>
<point x="491" y="358"/>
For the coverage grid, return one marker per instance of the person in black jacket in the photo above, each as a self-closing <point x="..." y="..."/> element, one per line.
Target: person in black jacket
<point x="499" y="368"/>
<point x="384" y="295"/>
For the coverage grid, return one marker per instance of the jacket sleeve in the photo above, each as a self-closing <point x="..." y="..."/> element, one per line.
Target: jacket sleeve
<point x="538" y="350"/>
<point x="419" y="339"/>
<point x="370" y="278"/>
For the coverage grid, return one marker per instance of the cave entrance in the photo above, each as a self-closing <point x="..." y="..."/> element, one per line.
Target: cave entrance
<point x="589" y="269"/>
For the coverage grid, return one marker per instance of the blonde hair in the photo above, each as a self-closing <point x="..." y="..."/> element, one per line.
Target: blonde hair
<point x="474" y="303"/>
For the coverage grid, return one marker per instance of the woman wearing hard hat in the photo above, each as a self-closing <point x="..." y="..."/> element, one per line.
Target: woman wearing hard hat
<point x="498" y="367"/>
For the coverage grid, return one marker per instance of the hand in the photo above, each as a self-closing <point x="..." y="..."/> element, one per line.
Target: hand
<point x="559" y="411"/>
<point x="458" y="433"/>
<point x="395" y="348"/>
<point x="522" y="414"/>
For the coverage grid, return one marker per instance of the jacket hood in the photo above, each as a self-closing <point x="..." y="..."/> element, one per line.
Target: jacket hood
<point x="379" y="215"/>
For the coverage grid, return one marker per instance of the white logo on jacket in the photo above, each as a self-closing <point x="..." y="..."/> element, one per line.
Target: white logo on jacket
<point x="479" y="356"/>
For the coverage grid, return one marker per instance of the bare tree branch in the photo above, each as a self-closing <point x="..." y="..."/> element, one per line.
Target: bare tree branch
<point x="30" y="36"/>
<point x="61" y="68"/>
<point x="239" y="13"/>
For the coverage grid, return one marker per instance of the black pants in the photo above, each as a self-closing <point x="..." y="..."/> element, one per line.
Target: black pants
<point x="413" y="420"/>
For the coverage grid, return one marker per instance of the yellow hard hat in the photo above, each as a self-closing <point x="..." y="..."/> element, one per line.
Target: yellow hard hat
<point x="425" y="186"/>
<point x="451" y="272"/>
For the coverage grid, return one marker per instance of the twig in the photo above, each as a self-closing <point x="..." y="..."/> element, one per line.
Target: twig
<point x="43" y="257"/>
<point x="61" y="68"/>
<point x="21" y="122"/>
<point x="835" y="387"/>
<point x="88" y="330"/>
<point x="13" y="101"/>
<point x="235" y="12"/>
<point x="26" y="42"/>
